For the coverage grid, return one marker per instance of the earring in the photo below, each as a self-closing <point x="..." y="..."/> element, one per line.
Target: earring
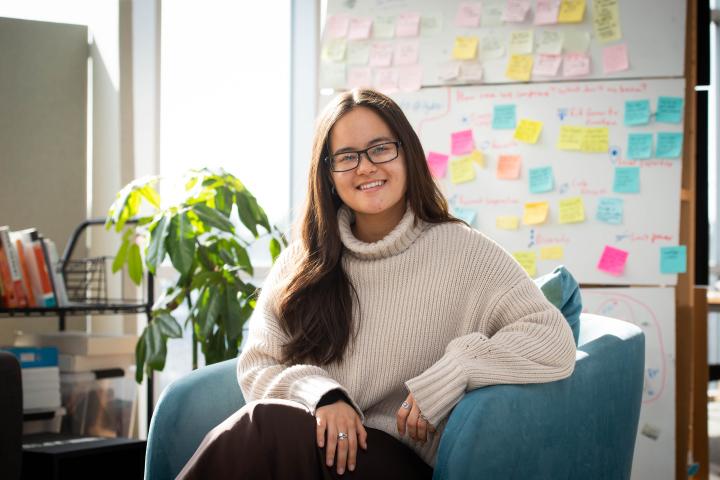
<point x="332" y="189"/>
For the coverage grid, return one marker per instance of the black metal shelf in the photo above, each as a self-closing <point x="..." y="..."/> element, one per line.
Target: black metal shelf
<point x="76" y="309"/>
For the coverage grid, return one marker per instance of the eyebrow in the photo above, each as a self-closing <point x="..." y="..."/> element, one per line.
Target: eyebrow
<point x="368" y="144"/>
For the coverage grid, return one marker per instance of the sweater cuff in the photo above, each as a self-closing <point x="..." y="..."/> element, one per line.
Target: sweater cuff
<point x="439" y="388"/>
<point x="310" y="389"/>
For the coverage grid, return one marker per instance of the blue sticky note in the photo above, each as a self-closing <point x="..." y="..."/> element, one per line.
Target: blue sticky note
<point x="640" y="146"/>
<point x="541" y="179"/>
<point x="610" y="210"/>
<point x="627" y="180"/>
<point x="503" y="117"/>
<point x="670" y="110"/>
<point x="465" y="214"/>
<point x="669" y="145"/>
<point x="673" y="259"/>
<point x="637" y="112"/>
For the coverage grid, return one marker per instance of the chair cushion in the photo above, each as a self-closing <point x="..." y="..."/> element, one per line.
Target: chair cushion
<point x="563" y="291"/>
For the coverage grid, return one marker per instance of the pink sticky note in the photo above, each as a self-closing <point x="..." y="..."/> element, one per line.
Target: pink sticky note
<point x="546" y="12"/>
<point x="462" y="142"/>
<point x="407" y="52"/>
<point x="410" y="78"/>
<point x="438" y="164"/>
<point x="359" y="28"/>
<point x="407" y="25"/>
<point x="508" y="167"/>
<point x="381" y="54"/>
<point x="386" y="80"/>
<point x="576" y="64"/>
<point x="613" y="260"/>
<point x="337" y="26"/>
<point x="468" y="14"/>
<point x="360" y="77"/>
<point x="615" y="58"/>
<point x="547" y="65"/>
<point x="515" y="10"/>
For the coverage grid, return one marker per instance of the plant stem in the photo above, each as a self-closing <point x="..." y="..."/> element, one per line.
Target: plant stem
<point x="194" y="338"/>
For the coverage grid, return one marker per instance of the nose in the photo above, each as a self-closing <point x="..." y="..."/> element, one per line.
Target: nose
<point x="365" y="165"/>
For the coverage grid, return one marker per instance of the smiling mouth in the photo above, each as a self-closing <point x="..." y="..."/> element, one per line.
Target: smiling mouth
<point x="371" y="185"/>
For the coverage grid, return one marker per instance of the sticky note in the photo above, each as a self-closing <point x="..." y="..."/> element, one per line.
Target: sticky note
<point x="471" y="71"/>
<point x="386" y="80"/>
<point x="437" y="162"/>
<point x="503" y="117"/>
<point x="358" y="53"/>
<point x="576" y="41"/>
<point x="555" y="252"/>
<point x="509" y="222"/>
<point x="547" y="65"/>
<point x="358" y="77"/>
<point x="571" y="11"/>
<point x="359" y="28"/>
<point x="336" y="26"/>
<point x="546" y="12"/>
<point x="669" y="110"/>
<point x="535" y="213"/>
<point x="521" y="42"/>
<point x="465" y="48"/>
<point x="613" y="260"/>
<point x="610" y="210"/>
<point x="595" y="140"/>
<point x="461" y="170"/>
<point x="334" y="50"/>
<point x="606" y="20"/>
<point x="462" y="142"/>
<point x="381" y="54"/>
<point x="515" y="11"/>
<point x="407" y="52"/>
<point x="468" y="14"/>
<point x="332" y="75"/>
<point x="384" y="27"/>
<point x="430" y="25"/>
<point x="615" y="58"/>
<point x="571" y="210"/>
<point x="407" y="25"/>
<point x="639" y="146"/>
<point x="571" y="137"/>
<point x="576" y="64"/>
<point x="449" y="71"/>
<point x="492" y="13"/>
<point x="528" y="131"/>
<point x="465" y="214"/>
<point x="508" y="167"/>
<point x="527" y="261"/>
<point x="626" y="180"/>
<point x="410" y="78"/>
<point x="550" y="42"/>
<point x="637" y="112"/>
<point x="519" y="67"/>
<point x="541" y="179"/>
<point x="491" y="46"/>
<point x="673" y="259"/>
<point x="669" y="145"/>
<point x="477" y="158"/>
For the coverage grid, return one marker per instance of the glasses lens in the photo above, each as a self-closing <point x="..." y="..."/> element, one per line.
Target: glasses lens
<point x="344" y="161"/>
<point x="383" y="152"/>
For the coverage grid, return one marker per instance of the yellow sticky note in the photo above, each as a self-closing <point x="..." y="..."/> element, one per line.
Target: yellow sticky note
<point x="552" y="253"/>
<point x="572" y="210"/>
<point x="571" y="11"/>
<point x="595" y="140"/>
<point x="571" y="138"/>
<point x="606" y="19"/>
<point x="528" y="131"/>
<point x="519" y="67"/>
<point x="507" y="222"/>
<point x="478" y="158"/>
<point x="334" y="50"/>
<point x="465" y="48"/>
<point x="461" y="170"/>
<point x="535" y="213"/>
<point x="528" y="261"/>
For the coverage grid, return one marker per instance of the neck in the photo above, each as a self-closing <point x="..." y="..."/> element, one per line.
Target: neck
<point x="370" y="228"/>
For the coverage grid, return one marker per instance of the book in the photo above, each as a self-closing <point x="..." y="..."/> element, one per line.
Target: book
<point x="81" y="343"/>
<point x="8" y="298"/>
<point x="41" y="387"/>
<point x="16" y="287"/>
<point x="43" y="269"/>
<point x="51" y="255"/>
<point x="89" y="363"/>
<point x="34" y="357"/>
<point x="23" y="237"/>
<point x="29" y="289"/>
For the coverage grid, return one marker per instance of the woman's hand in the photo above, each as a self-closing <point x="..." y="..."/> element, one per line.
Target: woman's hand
<point x="410" y="418"/>
<point x="336" y="418"/>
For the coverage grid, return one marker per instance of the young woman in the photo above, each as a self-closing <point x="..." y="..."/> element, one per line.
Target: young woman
<point x="376" y="321"/>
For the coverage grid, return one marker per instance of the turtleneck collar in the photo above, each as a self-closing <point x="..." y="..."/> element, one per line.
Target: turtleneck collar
<point x="397" y="241"/>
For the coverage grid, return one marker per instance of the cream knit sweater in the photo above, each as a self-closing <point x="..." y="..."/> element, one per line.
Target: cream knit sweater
<point x="445" y="310"/>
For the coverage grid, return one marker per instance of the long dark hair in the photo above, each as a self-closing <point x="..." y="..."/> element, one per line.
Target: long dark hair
<point x="315" y="306"/>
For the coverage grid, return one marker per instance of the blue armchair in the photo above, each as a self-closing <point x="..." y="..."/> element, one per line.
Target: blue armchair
<point x="580" y="427"/>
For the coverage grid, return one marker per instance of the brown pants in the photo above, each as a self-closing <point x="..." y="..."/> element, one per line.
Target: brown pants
<point x="275" y="439"/>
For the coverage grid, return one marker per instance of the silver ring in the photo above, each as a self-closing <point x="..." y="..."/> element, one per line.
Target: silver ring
<point x="406" y="405"/>
<point x="342" y="436"/>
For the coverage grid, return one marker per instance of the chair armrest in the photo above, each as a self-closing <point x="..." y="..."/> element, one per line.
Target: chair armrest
<point x="187" y="409"/>
<point x="581" y="427"/>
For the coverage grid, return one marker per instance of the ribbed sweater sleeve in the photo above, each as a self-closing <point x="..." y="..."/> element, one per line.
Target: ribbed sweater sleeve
<point x="522" y="339"/>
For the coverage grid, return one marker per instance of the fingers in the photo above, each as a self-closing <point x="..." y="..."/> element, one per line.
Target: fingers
<point x="320" y="431"/>
<point x="422" y="429"/>
<point x="362" y="434"/>
<point x="331" y="444"/>
<point x="412" y="422"/>
<point x="402" y="416"/>
<point x="352" y="444"/>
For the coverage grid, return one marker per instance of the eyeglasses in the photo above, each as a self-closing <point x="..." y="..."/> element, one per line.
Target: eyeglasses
<point x="380" y="153"/>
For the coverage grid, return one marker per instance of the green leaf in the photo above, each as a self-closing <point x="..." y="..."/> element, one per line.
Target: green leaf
<point x="275" y="249"/>
<point x="213" y="310"/>
<point x="259" y="213"/>
<point x="121" y="256"/>
<point x="134" y="260"/>
<point x="156" y="249"/>
<point x="168" y="325"/>
<point x="224" y="200"/>
<point x="181" y="243"/>
<point x="232" y="314"/>
<point x="140" y="351"/>
<point x="213" y="217"/>
<point x="171" y="298"/>
<point x="156" y="345"/>
<point x="245" y="212"/>
<point x="151" y="195"/>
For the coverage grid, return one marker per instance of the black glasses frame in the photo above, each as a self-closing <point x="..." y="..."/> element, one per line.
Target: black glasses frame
<point x="397" y="143"/>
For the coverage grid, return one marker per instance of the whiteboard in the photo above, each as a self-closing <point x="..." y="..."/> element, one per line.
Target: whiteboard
<point x="653" y="30"/>
<point x="653" y="310"/>
<point x="651" y="218"/>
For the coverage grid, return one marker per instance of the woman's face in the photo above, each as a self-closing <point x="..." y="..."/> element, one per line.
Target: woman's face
<point x="369" y="189"/>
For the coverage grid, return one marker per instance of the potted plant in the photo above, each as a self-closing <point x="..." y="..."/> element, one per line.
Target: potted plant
<point x="199" y="233"/>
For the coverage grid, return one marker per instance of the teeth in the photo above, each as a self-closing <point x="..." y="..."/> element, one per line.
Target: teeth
<point x="371" y="185"/>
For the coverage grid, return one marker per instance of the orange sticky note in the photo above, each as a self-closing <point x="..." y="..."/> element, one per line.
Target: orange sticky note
<point x="508" y="167"/>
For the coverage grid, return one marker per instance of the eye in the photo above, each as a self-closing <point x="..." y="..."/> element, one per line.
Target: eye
<point x="379" y="149"/>
<point x="350" y="157"/>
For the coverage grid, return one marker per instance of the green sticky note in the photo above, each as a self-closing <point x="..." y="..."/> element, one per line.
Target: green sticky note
<point x="610" y="210"/>
<point x="503" y="117"/>
<point x="627" y="180"/>
<point x="669" y="145"/>
<point x="673" y="259"/>
<point x="670" y="110"/>
<point x="541" y="179"/>
<point x="640" y="146"/>
<point x="637" y="112"/>
<point x="465" y="214"/>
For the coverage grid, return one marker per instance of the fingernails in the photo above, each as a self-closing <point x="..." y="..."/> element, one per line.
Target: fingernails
<point x="329" y="463"/>
<point x="341" y="471"/>
<point x="320" y="444"/>
<point x="351" y="467"/>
